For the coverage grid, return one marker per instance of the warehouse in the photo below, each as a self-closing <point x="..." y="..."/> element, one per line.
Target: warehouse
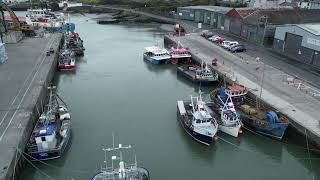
<point x="211" y="15"/>
<point x="259" y="25"/>
<point x="300" y="41"/>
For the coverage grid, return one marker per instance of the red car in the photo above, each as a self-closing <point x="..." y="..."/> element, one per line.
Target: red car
<point x="219" y="40"/>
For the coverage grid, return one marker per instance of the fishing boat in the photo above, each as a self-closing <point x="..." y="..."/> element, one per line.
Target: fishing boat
<point x="67" y="61"/>
<point x="257" y="116"/>
<point x="52" y="131"/>
<point x="226" y="115"/>
<point x="180" y="55"/>
<point x="200" y="75"/>
<point x="44" y="18"/>
<point x="156" y="55"/>
<point x="264" y="119"/>
<point x="124" y="171"/>
<point x="236" y="92"/>
<point x="196" y="120"/>
<point x="75" y="43"/>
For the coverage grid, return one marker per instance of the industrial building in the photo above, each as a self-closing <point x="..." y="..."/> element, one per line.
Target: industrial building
<point x="300" y="41"/>
<point x="211" y="15"/>
<point x="253" y="24"/>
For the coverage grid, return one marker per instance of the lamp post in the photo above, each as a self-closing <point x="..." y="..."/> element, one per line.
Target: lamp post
<point x="265" y="27"/>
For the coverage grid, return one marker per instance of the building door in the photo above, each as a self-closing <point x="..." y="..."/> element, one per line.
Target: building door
<point x="226" y="24"/>
<point x="292" y="44"/>
<point x="211" y="19"/>
<point x="235" y="26"/>
<point x="197" y="15"/>
<point x="219" y="21"/>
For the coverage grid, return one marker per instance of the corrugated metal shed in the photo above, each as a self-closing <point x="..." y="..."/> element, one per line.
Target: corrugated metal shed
<point x="219" y="9"/>
<point x="284" y="16"/>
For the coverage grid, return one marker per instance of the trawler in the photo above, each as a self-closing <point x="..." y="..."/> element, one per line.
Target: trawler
<point x="200" y="75"/>
<point x="67" y="61"/>
<point x="52" y="131"/>
<point x="196" y="120"/>
<point x="226" y="114"/>
<point x="124" y="171"/>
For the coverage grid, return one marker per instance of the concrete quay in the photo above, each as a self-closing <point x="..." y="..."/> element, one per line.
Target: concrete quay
<point x="298" y="106"/>
<point x="24" y="78"/>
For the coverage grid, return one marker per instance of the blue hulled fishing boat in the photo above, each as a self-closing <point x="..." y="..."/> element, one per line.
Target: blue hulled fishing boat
<point x="156" y="55"/>
<point x="254" y="114"/>
<point x="52" y="131"/>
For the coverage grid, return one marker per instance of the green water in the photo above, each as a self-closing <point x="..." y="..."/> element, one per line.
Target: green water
<point x="114" y="90"/>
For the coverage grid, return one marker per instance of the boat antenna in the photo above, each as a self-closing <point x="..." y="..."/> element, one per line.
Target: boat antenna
<point x="105" y="160"/>
<point x="135" y="160"/>
<point x="112" y="139"/>
<point x="192" y="104"/>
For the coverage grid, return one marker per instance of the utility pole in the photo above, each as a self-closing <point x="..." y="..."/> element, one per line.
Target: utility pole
<point x="265" y="28"/>
<point x="261" y="85"/>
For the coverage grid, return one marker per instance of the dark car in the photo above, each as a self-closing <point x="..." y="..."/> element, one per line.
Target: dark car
<point x="238" y="48"/>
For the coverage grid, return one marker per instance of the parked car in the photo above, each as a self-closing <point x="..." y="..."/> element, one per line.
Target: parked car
<point x="218" y="40"/>
<point x="228" y="44"/>
<point x="206" y="34"/>
<point x="238" y="48"/>
<point x="213" y="38"/>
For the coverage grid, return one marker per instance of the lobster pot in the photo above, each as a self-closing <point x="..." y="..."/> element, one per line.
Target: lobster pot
<point x="3" y="54"/>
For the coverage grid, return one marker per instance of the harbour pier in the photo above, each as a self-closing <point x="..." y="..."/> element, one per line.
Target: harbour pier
<point x="267" y="83"/>
<point x="24" y="78"/>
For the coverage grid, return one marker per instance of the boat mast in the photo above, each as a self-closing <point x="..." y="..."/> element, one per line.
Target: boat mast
<point x="192" y="104"/>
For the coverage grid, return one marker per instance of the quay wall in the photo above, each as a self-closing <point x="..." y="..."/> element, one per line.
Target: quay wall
<point x="294" y="128"/>
<point x="38" y="95"/>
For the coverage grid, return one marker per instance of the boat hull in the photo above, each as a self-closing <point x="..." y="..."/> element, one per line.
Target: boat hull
<point x="156" y="61"/>
<point x="231" y="130"/>
<point x="139" y="174"/>
<point x="180" y="60"/>
<point x="206" y="140"/>
<point x="274" y="130"/>
<point x="66" y="68"/>
<point x="190" y="77"/>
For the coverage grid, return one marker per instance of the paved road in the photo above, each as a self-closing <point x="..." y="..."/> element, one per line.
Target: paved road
<point x="22" y="78"/>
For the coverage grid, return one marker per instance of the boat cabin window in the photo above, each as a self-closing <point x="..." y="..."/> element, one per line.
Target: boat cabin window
<point x="43" y="138"/>
<point x="198" y="121"/>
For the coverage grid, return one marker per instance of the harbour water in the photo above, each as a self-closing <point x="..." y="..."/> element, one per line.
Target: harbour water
<point x="114" y="91"/>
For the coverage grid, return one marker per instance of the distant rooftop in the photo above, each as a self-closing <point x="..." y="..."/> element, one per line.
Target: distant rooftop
<point x="210" y="8"/>
<point x="312" y="28"/>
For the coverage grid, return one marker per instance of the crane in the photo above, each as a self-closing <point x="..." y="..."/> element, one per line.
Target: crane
<point x="15" y="20"/>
